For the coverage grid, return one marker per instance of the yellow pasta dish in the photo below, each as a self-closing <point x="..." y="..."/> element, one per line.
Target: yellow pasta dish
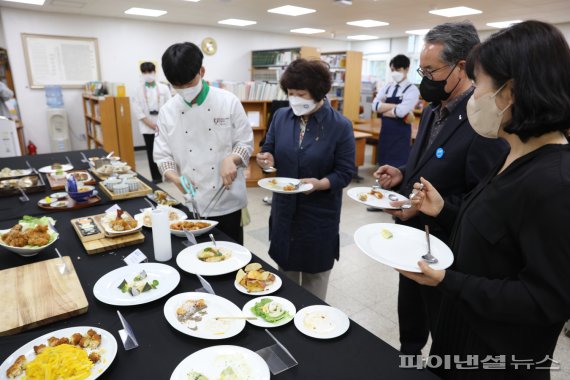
<point x="60" y="362"/>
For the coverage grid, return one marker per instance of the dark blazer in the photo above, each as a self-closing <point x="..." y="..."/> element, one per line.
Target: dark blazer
<point x="467" y="158"/>
<point x="304" y="229"/>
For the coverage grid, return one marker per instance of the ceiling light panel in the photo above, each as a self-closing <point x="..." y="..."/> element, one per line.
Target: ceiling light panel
<point x="145" y="12"/>
<point x="418" y="32"/>
<point x="455" y="12"/>
<point x="362" y="37"/>
<point x="367" y="23"/>
<point x="291" y="10"/>
<point x="32" y="2"/>
<point x="237" y="22"/>
<point x="307" y="30"/>
<point x="502" y="24"/>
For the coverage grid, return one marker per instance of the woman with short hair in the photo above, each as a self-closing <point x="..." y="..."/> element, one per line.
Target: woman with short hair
<point x="506" y="297"/>
<point x="314" y="143"/>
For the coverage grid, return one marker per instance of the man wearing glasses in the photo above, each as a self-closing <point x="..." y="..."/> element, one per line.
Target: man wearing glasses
<point x="447" y="152"/>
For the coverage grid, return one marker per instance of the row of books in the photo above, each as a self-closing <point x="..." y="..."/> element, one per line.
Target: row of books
<point x="335" y="60"/>
<point x="252" y="90"/>
<point x="271" y="57"/>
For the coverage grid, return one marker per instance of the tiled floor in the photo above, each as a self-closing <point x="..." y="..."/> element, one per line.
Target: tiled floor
<point x="364" y="289"/>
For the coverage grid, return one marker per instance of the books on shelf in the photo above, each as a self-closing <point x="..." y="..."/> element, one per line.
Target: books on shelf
<point x="252" y="90"/>
<point x="274" y="57"/>
<point x="335" y="60"/>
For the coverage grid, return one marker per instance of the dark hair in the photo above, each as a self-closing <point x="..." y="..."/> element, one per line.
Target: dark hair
<point x="181" y="63"/>
<point x="313" y="76"/>
<point x="457" y="39"/>
<point x="400" y="62"/>
<point x="536" y="57"/>
<point x="148" y="67"/>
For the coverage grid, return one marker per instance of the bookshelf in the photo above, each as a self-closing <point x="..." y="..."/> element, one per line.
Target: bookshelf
<point x="346" y="68"/>
<point x="268" y="65"/>
<point x="258" y="113"/>
<point x="108" y="125"/>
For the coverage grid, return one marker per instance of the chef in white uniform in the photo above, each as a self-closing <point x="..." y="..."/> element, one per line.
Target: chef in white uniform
<point x="204" y="134"/>
<point x="149" y="99"/>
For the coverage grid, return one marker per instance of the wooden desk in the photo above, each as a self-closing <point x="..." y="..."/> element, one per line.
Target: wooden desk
<point x="374" y="128"/>
<point x="360" y="140"/>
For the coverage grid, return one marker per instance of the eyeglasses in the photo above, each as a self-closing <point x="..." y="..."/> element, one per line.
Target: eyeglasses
<point x="429" y="74"/>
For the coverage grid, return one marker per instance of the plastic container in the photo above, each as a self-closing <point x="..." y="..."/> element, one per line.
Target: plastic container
<point x="54" y="96"/>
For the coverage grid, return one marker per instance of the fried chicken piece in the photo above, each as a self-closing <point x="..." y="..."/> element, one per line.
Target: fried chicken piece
<point x="15" y="237"/>
<point x="61" y="341"/>
<point x="94" y="357"/>
<point x="38" y="349"/>
<point x="95" y="341"/>
<point x="37" y="236"/>
<point x="91" y="332"/>
<point x="76" y="338"/>
<point x="52" y="342"/>
<point x="17" y="368"/>
<point x="85" y="342"/>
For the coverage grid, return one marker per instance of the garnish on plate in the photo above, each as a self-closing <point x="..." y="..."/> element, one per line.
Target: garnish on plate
<point x="271" y="311"/>
<point x="138" y="285"/>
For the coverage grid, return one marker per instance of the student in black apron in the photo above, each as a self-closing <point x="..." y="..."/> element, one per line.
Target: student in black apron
<point x="394" y="102"/>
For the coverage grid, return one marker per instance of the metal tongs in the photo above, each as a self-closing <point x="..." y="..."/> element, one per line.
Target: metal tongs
<point x="191" y="191"/>
<point x="214" y="201"/>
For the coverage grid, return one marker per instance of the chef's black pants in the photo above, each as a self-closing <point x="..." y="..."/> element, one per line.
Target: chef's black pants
<point x="230" y="224"/>
<point x="149" y="142"/>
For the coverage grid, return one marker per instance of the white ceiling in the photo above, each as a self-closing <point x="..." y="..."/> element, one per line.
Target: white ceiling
<point x="401" y="14"/>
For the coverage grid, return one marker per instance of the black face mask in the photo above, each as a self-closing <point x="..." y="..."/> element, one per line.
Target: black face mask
<point x="434" y="90"/>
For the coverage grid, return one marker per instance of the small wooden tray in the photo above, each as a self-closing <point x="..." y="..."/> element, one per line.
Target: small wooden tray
<point x="103" y="177"/>
<point x="104" y="244"/>
<point x="59" y="184"/>
<point x="143" y="190"/>
<point x="88" y="229"/>
<point x="72" y="204"/>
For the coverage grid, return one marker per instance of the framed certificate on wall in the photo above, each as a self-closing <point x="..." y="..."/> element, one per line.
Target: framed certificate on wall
<point x="60" y="60"/>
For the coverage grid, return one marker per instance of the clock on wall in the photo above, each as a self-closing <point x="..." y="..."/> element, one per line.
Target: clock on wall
<point x="209" y="46"/>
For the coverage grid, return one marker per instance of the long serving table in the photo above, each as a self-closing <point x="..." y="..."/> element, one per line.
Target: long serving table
<point x="357" y="354"/>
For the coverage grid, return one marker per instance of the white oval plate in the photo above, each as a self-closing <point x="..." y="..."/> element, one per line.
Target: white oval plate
<point x="277" y="187"/>
<point x="48" y="169"/>
<point x="199" y="232"/>
<point x="208" y="327"/>
<point x="107" y="349"/>
<point x="106" y="288"/>
<point x="260" y="322"/>
<point x="140" y="217"/>
<point x="371" y="200"/>
<point x="188" y="260"/>
<point x="17" y="173"/>
<point x="404" y="249"/>
<point x="268" y="290"/>
<point x="110" y="231"/>
<point x="321" y="322"/>
<point x="211" y="361"/>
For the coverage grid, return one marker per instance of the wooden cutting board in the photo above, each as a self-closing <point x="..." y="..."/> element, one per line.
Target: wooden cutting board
<point x="38" y="294"/>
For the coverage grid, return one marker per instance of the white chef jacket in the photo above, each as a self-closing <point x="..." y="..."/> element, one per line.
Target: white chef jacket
<point x="193" y="141"/>
<point x="409" y="98"/>
<point x="149" y="99"/>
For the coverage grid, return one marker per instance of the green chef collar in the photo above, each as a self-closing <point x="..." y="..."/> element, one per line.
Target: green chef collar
<point x="201" y="96"/>
<point x="150" y="85"/>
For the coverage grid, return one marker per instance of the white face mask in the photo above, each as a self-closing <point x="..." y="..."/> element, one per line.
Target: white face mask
<point x="190" y="93"/>
<point x="397" y="76"/>
<point x="149" y="78"/>
<point x="484" y="115"/>
<point x="301" y="106"/>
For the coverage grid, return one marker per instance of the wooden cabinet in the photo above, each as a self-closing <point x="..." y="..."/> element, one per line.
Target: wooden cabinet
<point x="268" y="65"/>
<point x="108" y="125"/>
<point x="260" y="107"/>
<point x="346" y="68"/>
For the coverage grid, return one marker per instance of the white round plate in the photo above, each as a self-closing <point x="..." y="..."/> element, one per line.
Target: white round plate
<point x="211" y="361"/>
<point x="321" y="322"/>
<point x="28" y="250"/>
<point x="371" y="200"/>
<point x="260" y="322"/>
<point x="16" y="173"/>
<point x="107" y="290"/>
<point x="268" y="289"/>
<point x="110" y="231"/>
<point x="48" y="169"/>
<point x="404" y="249"/>
<point x="107" y="349"/>
<point x="179" y="213"/>
<point x="188" y="260"/>
<point x="276" y="184"/>
<point x="198" y="232"/>
<point x="208" y="327"/>
<point x="60" y="195"/>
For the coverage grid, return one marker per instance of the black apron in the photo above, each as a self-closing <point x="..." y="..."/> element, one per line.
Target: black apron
<point x="395" y="136"/>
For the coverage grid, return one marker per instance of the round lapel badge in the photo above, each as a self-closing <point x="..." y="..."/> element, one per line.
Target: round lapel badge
<point x="439" y="152"/>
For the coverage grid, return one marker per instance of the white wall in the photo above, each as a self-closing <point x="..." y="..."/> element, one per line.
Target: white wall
<point x="122" y="45"/>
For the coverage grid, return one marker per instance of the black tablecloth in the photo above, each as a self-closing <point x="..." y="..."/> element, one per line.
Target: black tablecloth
<point x="357" y="354"/>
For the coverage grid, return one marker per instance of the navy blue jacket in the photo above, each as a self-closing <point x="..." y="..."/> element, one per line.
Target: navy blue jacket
<point x="304" y="229"/>
<point x="467" y="159"/>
